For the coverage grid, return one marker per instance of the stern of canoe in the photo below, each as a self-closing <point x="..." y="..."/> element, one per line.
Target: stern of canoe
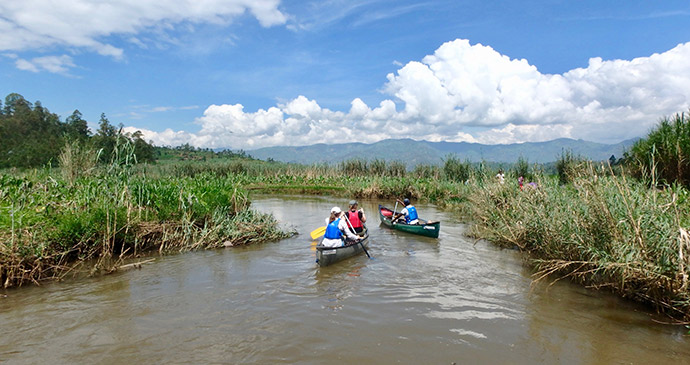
<point x="429" y="229"/>
<point x="329" y="255"/>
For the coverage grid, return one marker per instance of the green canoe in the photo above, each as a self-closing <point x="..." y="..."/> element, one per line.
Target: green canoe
<point x="423" y="228"/>
<point x="329" y="255"/>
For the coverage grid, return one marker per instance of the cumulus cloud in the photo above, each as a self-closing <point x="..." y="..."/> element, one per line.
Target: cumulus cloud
<point x="85" y="24"/>
<point x="471" y="93"/>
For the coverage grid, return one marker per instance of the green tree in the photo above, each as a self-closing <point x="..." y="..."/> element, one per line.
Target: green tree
<point x="15" y="103"/>
<point x="105" y="139"/>
<point x="30" y="135"/>
<point x="144" y="151"/>
<point x="76" y="127"/>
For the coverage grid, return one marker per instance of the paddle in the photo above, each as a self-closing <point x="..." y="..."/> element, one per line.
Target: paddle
<point x="394" y="209"/>
<point x="360" y="241"/>
<point x="393" y="217"/>
<point x="318" y="232"/>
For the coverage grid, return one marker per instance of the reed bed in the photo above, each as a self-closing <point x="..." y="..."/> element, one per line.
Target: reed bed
<point x="664" y="156"/>
<point x="48" y="224"/>
<point x="605" y="231"/>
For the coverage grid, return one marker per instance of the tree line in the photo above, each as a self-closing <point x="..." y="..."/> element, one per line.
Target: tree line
<point x="32" y="136"/>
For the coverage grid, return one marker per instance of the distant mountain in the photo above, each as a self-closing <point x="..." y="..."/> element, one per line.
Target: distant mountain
<point x="424" y="152"/>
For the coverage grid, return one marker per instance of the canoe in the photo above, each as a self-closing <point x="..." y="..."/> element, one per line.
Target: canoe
<point x="329" y="255"/>
<point x="423" y="228"/>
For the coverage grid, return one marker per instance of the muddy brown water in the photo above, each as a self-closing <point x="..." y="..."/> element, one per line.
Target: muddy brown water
<point x="417" y="301"/>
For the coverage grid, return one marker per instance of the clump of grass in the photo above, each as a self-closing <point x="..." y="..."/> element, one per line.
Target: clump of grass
<point x="567" y="166"/>
<point x="360" y="167"/>
<point x="664" y="156"/>
<point x="47" y="223"/>
<point x="603" y="230"/>
<point x="521" y="168"/>
<point x="455" y="170"/>
<point x="77" y="159"/>
<point x="427" y="172"/>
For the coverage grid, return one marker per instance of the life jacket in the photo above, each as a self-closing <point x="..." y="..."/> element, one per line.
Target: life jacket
<point x="411" y="214"/>
<point x="332" y="230"/>
<point x="354" y="219"/>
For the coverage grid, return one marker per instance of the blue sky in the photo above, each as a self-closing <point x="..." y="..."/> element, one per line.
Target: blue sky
<point x="248" y="74"/>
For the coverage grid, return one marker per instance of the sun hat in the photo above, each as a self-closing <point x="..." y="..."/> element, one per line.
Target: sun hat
<point x="335" y="210"/>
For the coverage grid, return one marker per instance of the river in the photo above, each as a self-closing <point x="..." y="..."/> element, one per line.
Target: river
<point x="416" y="301"/>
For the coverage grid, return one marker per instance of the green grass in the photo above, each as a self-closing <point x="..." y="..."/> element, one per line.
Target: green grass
<point x="664" y="156"/>
<point x="47" y="222"/>
<point x="605" y="231"/>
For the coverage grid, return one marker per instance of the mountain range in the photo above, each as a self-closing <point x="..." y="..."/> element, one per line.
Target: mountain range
<point x="423" y="152"/>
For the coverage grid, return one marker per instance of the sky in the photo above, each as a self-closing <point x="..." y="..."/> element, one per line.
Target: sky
<point x="246" y="74"/>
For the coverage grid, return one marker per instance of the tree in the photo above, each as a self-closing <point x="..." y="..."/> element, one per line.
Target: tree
<point x="30" y="135"/>
<point x="15" y="103"/>
<point x="105" y="129"/>
<point x="76" y="127"/>
<point x="105" y="139"/>
<point x="143" y="150"/>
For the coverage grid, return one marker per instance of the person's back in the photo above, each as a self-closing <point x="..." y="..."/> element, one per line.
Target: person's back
<point x="333" y="237"/>
<point x="410" y="213"/>
<point x="356" y="217"/>
<point x="337" y="230"/>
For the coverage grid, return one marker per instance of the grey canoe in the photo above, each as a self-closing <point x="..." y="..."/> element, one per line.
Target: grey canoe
<point x="329" y="255"/>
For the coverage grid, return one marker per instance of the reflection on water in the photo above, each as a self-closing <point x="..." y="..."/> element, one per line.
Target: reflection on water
<point x="337" y="286"/>
<point x="418" y="300"/>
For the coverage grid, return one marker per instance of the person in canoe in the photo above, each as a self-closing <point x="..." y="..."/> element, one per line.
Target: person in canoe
<point x="336" y="228"/>
<point x="409" y="213"/>
<point x="356" y="217"/>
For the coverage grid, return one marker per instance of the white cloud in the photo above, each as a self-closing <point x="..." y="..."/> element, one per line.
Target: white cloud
<point x="54" y="64"/>
<point x="463" y="88"/>
<point x="86" y="24"/>
<point x="159" y="109"/>
<point x="167" y="138"/>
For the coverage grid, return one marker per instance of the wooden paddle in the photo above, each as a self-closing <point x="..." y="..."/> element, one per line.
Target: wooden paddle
<point x="318" y="232"/>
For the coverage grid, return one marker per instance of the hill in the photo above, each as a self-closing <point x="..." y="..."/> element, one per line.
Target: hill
<point x="424" y="152"/>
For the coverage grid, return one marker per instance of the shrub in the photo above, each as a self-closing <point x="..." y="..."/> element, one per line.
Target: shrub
<point x="455" y="170"/>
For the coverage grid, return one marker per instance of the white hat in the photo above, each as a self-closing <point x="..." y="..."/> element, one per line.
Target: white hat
<point x="335" y="210"/>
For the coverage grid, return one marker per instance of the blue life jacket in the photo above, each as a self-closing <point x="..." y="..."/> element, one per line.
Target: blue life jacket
<point x="411" y="214"/>
<point x="332" y="230"/>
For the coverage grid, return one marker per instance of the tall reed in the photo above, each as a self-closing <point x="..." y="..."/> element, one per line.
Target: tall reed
<point x="76" y="159"/>
<point x="664" y="156"/>
<point x="47" y="223"/>
<point x="603" y="230"/>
